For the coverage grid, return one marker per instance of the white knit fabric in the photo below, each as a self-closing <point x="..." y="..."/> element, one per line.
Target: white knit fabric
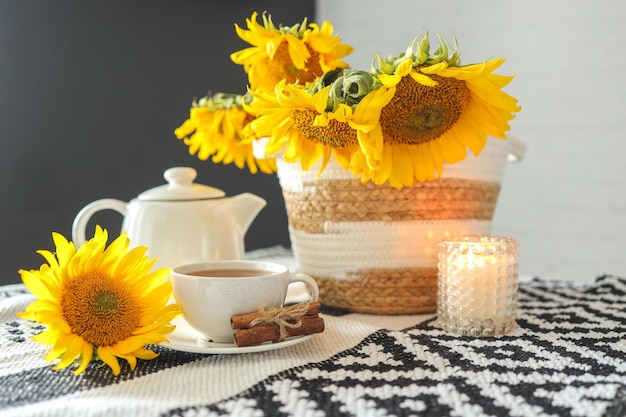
<point x="566" y="358"/>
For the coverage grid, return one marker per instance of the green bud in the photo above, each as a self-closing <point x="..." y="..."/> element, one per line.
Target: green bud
<point x="386" y="66"/>
<point x="455" y="58"/>
<point x="350" y="88"/>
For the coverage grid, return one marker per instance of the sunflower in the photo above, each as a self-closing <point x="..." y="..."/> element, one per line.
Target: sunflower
<point x="216" y="128"/>
<point x="298" y="53"/>
<point x="99" y="302"/>
<point x="313" y="123"/>
<point x="439" y="108"/>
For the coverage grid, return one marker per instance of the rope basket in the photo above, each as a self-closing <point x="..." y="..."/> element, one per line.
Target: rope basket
<point x="373" y="249"/>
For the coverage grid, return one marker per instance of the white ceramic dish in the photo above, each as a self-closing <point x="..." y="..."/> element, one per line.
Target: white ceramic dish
<point x="185" y="339"/>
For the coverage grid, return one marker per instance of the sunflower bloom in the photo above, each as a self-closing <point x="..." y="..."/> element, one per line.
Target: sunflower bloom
<point x="298" y="53"/>
<point x="215" y="129"/>
<point x="309" y="124"/>
<point x="99" y="302"/>
<point x="438" y="109"/>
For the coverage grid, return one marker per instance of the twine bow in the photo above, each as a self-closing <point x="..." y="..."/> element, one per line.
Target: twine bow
<point x="286" y="317"/>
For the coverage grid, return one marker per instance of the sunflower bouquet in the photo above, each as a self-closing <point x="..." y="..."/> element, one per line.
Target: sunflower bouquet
<point x="360" y="155"/>
<point x="396" y="123"/>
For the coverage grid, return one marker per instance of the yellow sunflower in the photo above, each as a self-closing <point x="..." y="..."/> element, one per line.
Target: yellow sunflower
<point x="298" y="53"/>
<point x="309" y="124"/>
<point x="438" y="109"/>
<point x="216" y="128"/>
<point x="99" y="300"/>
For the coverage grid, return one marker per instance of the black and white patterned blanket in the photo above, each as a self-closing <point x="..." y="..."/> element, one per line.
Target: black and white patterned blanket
<point x="567" y="358"/>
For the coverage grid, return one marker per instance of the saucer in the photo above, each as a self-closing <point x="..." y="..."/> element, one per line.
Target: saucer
<point x="185" y="339"/>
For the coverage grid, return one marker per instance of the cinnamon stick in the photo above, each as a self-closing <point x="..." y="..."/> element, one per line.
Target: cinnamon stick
<point x="243" y="321"/>
<point x="259" y="334"/>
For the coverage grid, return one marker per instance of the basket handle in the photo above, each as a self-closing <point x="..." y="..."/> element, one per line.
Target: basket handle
<point x="518" y="149"/>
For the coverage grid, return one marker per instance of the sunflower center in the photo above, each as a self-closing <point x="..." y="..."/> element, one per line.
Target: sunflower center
<point x="335" y="134"/>
<point x="99" y="309"/>
<point x="419" y="114"/>
<point x="285" y="64"/>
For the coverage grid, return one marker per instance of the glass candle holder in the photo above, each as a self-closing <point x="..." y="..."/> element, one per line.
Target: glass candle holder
<point x="477" y="285"/>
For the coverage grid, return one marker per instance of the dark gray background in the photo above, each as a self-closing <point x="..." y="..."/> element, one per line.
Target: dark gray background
<point x="90" y="93"/>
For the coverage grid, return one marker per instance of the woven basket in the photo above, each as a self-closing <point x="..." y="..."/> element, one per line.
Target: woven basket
<point x="373" y="249"/>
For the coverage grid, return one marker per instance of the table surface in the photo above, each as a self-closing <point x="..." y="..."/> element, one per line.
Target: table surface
<point x="567" y="357"/>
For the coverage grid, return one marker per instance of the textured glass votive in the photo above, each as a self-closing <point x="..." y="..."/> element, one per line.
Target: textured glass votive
<point x="477" y="285"/>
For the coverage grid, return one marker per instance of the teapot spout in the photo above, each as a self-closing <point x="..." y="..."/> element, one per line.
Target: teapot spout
<point x="246" y="207"/>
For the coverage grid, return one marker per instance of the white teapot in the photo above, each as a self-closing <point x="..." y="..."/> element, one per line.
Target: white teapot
<point x="181" y="222"/>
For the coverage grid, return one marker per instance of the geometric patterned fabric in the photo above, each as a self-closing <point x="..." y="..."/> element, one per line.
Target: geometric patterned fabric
<point x="566" y="358"/>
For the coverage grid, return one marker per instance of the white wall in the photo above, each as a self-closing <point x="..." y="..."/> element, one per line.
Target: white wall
<point x="566" y="202"/>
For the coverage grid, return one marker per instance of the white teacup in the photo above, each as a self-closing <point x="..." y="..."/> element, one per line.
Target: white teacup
<point x="211" y="292"/>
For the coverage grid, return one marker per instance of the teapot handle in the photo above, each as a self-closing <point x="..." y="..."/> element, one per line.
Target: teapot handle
<point x="83" y="216"/>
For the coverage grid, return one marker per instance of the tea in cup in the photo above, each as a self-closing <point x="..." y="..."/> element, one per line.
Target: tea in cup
<point x="211" y="292"/>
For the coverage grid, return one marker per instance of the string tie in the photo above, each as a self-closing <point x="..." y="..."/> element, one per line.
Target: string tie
<point x="285" y="317"/>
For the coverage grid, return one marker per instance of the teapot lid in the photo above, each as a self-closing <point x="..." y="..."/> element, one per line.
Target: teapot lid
<point x="181" y="187"/>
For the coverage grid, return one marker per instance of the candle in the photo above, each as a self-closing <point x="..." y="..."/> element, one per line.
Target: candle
<point x="477" y="285"/>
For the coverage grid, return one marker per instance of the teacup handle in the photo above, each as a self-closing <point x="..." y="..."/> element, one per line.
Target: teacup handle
<point x="310" y="282"/>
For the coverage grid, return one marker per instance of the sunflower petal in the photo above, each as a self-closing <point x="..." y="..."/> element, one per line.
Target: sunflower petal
<point x="40" y="285"/>
<point x="423" y="79"/>
<point x="86" y="357"/>
<point x="109" y="358"/>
